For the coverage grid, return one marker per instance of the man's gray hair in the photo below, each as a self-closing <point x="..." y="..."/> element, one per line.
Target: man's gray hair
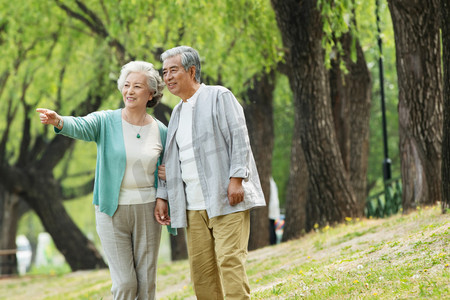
<point x="189" y="58"/>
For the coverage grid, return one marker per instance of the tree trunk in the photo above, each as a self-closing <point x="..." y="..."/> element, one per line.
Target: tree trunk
<point x="178" y="245"/>
<point x="297" y="189"/>
<point x="43" y="194"/>
<point x="416" y="29"/>
<point x="79" y="252"/>
<point x="259" y="116"/>
<point x="350" y="97"/>
<point x="9" y="204"/>
<point x="44" y="197"/>
<point x="330" y="192"/>
<point x="445" y="8"/>
<point x="162" y="112"/>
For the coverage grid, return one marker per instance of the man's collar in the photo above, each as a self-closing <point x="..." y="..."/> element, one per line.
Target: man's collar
<point x="194" y="97"/>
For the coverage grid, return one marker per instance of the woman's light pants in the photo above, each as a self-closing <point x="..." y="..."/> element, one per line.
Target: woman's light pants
<point x="130" y="241"/>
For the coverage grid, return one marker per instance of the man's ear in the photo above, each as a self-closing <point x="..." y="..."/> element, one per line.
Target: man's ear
<point x="192" y="72"/>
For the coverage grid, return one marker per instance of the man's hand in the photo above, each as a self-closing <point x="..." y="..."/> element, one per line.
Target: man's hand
<point x="162" y="172"/>
<point x="235" y="191"/>
<point x="162" y="212"/>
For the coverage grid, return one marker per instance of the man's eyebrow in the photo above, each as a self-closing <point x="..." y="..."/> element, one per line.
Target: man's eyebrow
<point x="171" y="67"/>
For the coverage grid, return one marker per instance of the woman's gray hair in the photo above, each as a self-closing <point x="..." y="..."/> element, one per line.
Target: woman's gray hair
<point x="154" y="81"/>
<point x="189" y="58"/>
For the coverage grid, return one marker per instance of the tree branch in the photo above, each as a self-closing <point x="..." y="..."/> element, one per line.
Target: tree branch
<point x="78" y="191"/>
<point x="105" y="11"/>
<point x="79" y="17"/>
<point x="26" y="135"/>
<point x="10" y="114"/>
<point x="96" y="25"/>
<point x="59" y="144"/>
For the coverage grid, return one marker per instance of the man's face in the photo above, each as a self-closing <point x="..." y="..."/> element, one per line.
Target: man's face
<point x="178" y="81"/>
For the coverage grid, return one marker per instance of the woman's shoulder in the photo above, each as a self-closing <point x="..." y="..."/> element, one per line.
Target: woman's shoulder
<point x="110" y="114"/>
<point x="161" y="125"/>
<point x="107" y="113"/>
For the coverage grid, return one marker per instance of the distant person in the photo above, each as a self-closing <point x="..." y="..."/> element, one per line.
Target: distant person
<point x="274" y="210"/>
<point x="212" y="181"/>
<point x="130" y="146"/>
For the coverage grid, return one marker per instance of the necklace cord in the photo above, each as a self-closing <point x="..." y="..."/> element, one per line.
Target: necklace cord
<point x="138" y="133"/>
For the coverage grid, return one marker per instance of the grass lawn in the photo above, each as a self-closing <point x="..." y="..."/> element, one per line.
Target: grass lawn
<point x="401" y="257"/>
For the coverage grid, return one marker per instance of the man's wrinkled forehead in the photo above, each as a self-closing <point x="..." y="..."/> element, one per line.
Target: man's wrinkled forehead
<point x="172" y="62"/>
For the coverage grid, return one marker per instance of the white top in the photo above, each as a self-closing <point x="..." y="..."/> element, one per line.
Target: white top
<point x="274" y="203"/>
<point x="189" y="171"/>
<point x="138" y="184"/>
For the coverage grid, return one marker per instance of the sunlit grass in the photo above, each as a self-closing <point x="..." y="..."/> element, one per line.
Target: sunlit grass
<point x="408" y="262"/>
<point x="402" y="257"/>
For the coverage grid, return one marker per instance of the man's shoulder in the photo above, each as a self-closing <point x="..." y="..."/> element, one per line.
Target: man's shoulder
<point x="214" y="92"/>
<point x="177" y="106"/>
<point x="215" y="88"/>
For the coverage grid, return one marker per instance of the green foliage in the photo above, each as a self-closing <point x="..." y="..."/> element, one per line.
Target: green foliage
<point x="63" y="58"/>
<point x="337" y="18"/>
<point x="63" y="49"/>
<point x="284" y="124"/>
<point x="239" y="40"/>
<point x="366" y="20"/>
<point x="385" y="203"/>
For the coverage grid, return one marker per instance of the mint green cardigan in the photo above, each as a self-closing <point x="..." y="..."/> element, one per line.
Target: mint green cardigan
<point x="105" y="129"/>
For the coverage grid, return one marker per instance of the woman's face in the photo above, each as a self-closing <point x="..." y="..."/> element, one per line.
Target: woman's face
<point x="135" y="91"/>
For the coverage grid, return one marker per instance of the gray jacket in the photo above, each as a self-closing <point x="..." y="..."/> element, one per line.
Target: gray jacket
<point x="221" y="150"/>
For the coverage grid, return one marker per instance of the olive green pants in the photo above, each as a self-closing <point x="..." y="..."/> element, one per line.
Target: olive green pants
<point x="217" y="250"/>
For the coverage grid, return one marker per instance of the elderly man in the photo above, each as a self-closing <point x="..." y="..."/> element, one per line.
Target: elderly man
<point x="211" y="177"/>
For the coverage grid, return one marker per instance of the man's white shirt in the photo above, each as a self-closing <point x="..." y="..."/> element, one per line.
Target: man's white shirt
<point x="189" y="171"/>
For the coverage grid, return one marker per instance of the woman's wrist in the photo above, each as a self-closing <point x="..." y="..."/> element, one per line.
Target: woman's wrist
<point x="60" y="123"/>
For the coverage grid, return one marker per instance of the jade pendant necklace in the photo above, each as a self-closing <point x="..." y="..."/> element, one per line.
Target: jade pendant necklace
<point x="138" y="133"/>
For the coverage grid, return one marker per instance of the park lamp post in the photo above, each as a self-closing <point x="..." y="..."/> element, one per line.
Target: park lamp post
<point x="386" y="162"/>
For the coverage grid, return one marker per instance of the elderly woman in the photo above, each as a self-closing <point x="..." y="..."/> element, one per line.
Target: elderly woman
<point x="130" y="145"/>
